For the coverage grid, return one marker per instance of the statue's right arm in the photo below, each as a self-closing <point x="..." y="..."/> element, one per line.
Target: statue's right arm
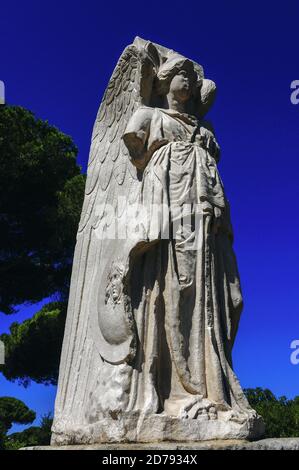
<point x="136" y="136"/>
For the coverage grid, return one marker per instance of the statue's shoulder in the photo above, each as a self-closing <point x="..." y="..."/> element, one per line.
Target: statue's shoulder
<point x="141" y="118"/>
<point x="144" y="112"/>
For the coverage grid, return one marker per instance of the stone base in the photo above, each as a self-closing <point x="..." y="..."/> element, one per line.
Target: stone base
<point x="159" y="427"/>
<point x="290" y="443"/>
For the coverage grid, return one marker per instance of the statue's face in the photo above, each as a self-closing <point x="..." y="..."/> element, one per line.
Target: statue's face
<point x="116" y="286"/>
<point x="181" y="85"/>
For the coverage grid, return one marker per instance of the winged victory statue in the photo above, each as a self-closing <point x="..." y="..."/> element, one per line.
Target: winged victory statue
<point x="155" y="296"/>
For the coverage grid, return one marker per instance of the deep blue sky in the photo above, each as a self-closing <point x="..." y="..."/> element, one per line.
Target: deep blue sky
<point x="56" y="59"/>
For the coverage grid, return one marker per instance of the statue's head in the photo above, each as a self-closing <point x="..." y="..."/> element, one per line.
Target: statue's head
<point x="177" y="76"/>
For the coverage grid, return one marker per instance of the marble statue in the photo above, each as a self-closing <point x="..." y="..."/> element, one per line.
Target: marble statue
<point x="155" y="296"/>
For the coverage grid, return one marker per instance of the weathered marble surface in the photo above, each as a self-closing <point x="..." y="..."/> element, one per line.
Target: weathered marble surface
<point x="290" y="443"/>
<point x="154" y="306"/>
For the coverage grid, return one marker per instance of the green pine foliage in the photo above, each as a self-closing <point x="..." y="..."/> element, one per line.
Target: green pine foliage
<point x="41" y="195"/>
<point x="13" y="411"/>
<point x="32" y="349"/>
<point x="281" y="416"/>
<point x="33" y="436"/>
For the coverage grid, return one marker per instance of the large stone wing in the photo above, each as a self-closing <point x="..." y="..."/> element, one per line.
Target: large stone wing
<point x="112" y="188"/>
<point x="110" y="172"/>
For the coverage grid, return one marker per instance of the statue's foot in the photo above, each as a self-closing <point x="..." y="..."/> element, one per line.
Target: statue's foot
<point x="180" y="406"/>
<point x="197" y="407"/>
<point x="191" y="407"/>
<point x="237" y="416"/>
<point x="203" y="410"/>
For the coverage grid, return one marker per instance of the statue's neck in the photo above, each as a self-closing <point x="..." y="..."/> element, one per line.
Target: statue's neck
<point x="176" y="105"/>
